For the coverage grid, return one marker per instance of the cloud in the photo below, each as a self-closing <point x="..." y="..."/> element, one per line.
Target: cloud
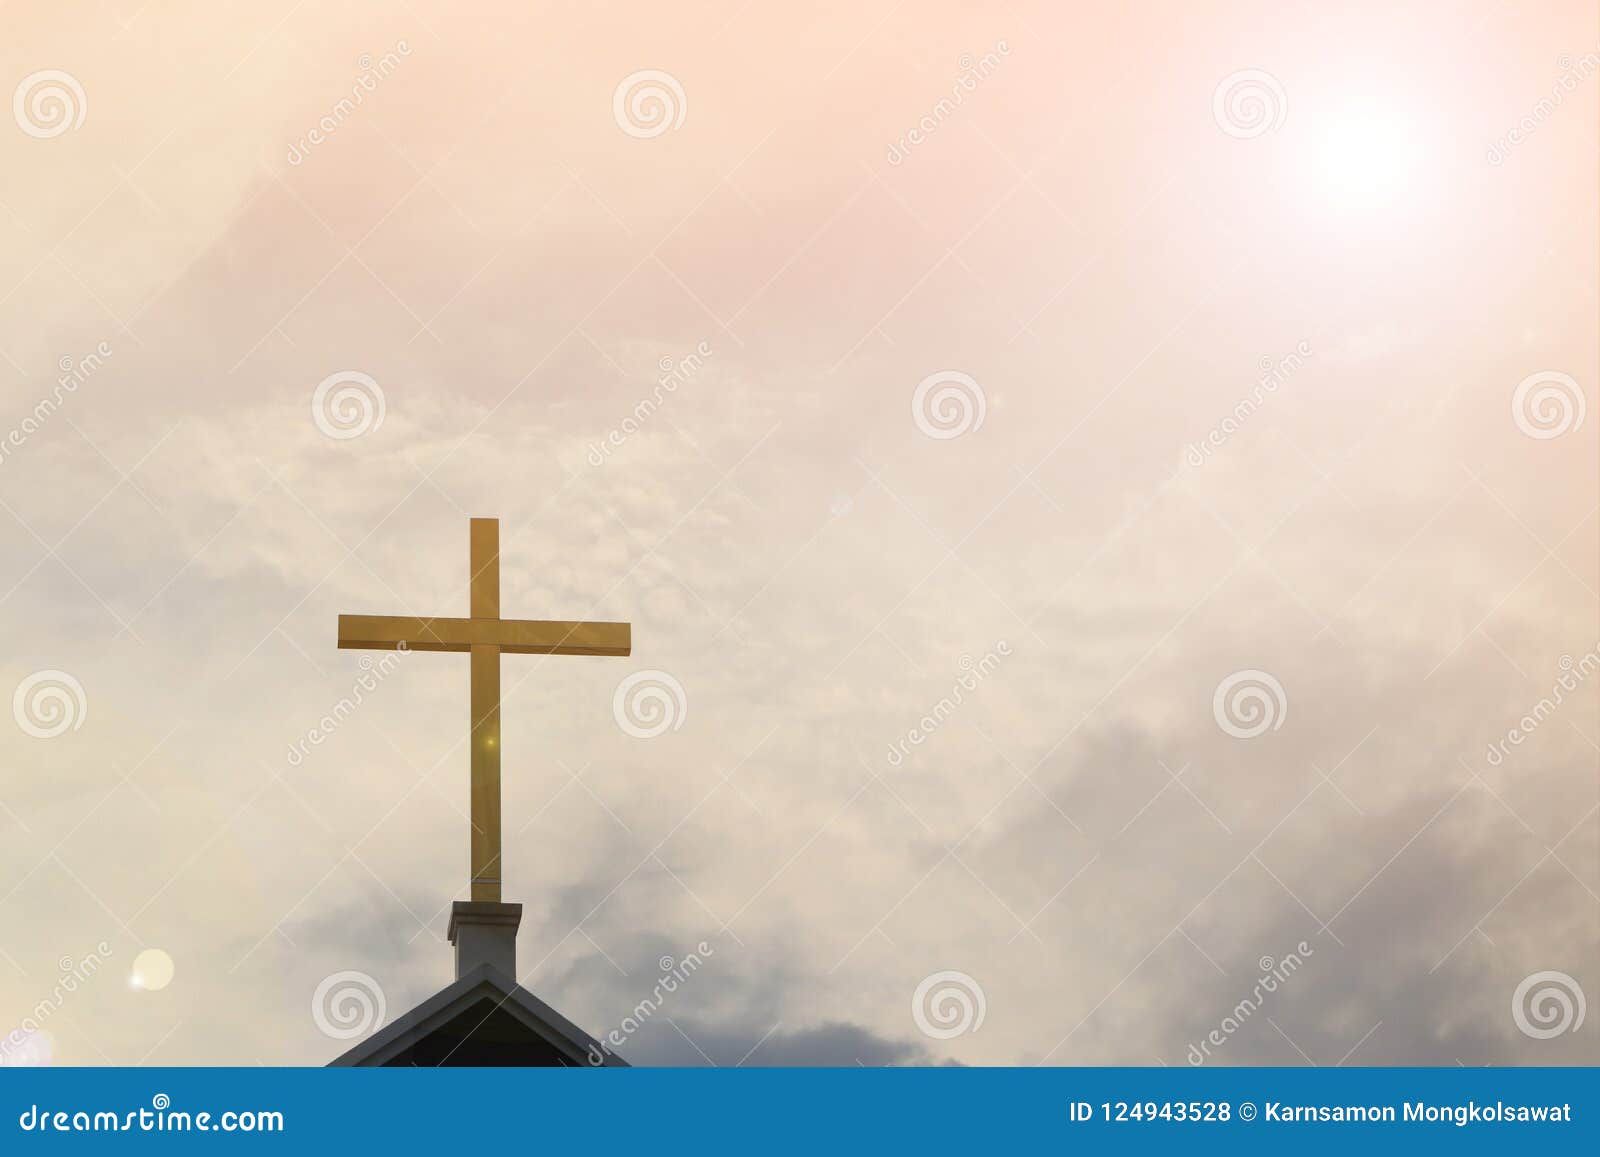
<point x="1077" y="833"/>
<point x="833" y="1044"/>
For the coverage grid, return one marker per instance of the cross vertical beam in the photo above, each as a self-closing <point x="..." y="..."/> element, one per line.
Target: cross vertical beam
<point x="484" y="599"/>
<point x="486" y="773"/>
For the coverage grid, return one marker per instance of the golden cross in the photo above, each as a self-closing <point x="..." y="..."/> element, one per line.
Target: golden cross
<point x="484" y="636"/>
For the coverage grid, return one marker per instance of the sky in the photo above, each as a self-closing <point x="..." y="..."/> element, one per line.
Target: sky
<point x="1105" y="497"/>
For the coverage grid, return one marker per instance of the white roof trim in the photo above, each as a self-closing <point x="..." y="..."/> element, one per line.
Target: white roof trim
<point x="448" y="1003"/>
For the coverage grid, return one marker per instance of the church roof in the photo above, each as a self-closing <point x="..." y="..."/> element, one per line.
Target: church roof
<point x="484" y="1018"/>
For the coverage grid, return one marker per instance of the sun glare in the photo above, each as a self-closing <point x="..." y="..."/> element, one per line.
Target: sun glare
<point x="1367" y="159"/>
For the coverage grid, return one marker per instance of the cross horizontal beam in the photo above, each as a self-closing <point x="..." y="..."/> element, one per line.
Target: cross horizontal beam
<point x="512" y="636"/>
